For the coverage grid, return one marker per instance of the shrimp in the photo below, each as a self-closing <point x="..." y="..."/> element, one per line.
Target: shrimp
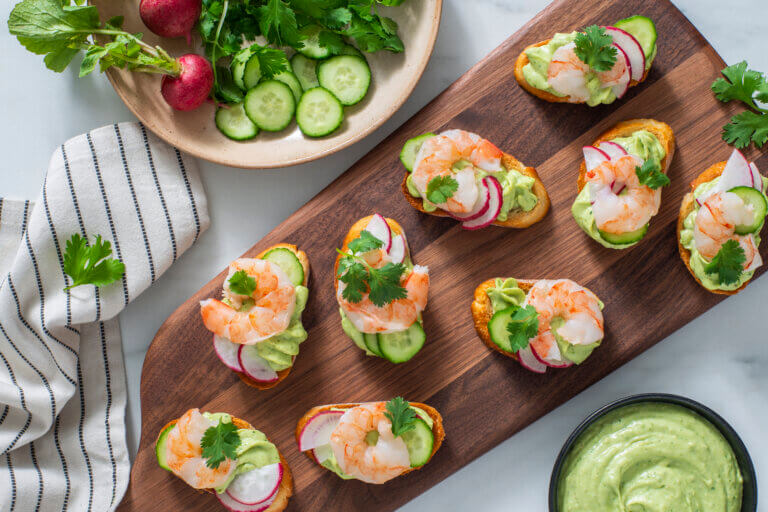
<point x="456" y="153"/>
<point x="567" y="74"/>
<point x="365" y="447"/>
<point x="250" y="319"/>
<point x="715" y="224"/>
<point x="577" y="307"/>
<point x="184" y="453"/>
<point x="396" y="316"/>
<point x="632" y="207"/>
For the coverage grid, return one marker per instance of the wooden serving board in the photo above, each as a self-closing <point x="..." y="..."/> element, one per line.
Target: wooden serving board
<point x="484" y="397"/>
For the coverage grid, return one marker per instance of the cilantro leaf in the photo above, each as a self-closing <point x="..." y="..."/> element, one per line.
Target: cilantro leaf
<point x="384" y="284"/>
<point x="91" y="264"/>
<point x="749" y="87"/>
<point x="364" y="243"/>
<point x="728" y="263"/>
<point x="355" y="276"/>
<point x="594" y="48"/>
<point x="400" y="414"/>
<point x="278" y="23"/>
<point x="241" y="283"/>
<point x="440" y="188"/>
<point x="338" y="18"/>
<point x="650" y="175"/>
<point x="219" y="443"/>
<point x="746" y="127"/>
<point x="523" y="325"/>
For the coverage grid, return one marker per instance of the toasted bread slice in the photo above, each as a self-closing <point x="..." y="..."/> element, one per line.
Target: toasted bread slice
<point x="284" y="492"/>
<point x="437" y="428"/>
<point x="522" y="60"/>
<point x="282" y="374"/>
<point x="516" y="219"/>
<point x="686" y="207"/>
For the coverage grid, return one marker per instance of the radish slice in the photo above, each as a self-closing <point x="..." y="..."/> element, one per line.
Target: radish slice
<point x="397" y="251"/>
<point x="632" y="48"/>
<point x="757" y="260"/>
<point x="737" y="173"/>
<point x="255" y="366"/>
<point x="612" y="149"/>
<point x="757" y="178"/>
<point x="227" y="352"/>
<point x="480" y="208"/>
<point x="529" y="361"/>
<point x="621" y="86"/>
<point x="317" y="431"/>
<point x="256" y="486"/>
<point x="235" y="506"/>
<point x="494" y="205"/>
<point x="594" y="156"/>
<point x="379" y="228"/>
<point x="554" y="358"/>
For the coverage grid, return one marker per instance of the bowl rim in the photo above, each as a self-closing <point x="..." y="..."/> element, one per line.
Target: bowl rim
<point x="746" y="466"/>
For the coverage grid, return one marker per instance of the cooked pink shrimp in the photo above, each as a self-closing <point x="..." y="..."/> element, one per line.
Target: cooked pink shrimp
<point x="578" y="307"/>
<point x="237" y="319"/>
<point x="715" y="224"/>
<point x="632" y="207"/>
<point x="440" y="156"/>
<point x="365" y="447"/>
<point x="184" y="453"/>
<point x="567" y="74"/>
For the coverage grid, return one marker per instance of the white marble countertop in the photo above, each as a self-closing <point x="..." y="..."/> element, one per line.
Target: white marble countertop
<point x="721" y="364"/>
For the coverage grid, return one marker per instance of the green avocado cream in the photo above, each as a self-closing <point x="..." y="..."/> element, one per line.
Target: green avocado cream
<point x="650" y="457"/>
<point x="255" y="451"/>
<point x="642" y="144"/>
<point x="698" y="262"/>
<point x="280" y="349"/>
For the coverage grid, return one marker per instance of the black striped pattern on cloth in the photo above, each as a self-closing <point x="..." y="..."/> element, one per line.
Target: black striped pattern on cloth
<point x="62" y="380"/>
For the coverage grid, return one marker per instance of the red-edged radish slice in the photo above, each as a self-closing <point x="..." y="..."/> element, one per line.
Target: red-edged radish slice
<point x="255" y="366"/>
<point x="481" y="205"/>
<point x="632" y="48"/>
<point x="379" y="228"/>
<point x="757" y="178"/>
<point x="621" y="85"/>
<point x="529" y="361"/>
<point x="227" y="352"/>
<point x="235" y="506"/>
<point x="757" y="260"/>
<point x="317" y="431"/>
<point x="612" y="149"/>
<point x="594" y="156"/>
<point x="256" y="486"/>
<point x="554" y="358"/>
<point x="494" y="205"/>
<point x="398" y="249"/>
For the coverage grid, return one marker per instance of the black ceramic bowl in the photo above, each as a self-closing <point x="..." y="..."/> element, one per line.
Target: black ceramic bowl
<point x="749" y="500"/>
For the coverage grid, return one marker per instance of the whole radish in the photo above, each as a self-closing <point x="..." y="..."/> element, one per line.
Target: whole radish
<point x="170" y="18"/>
<point x="192" y="86"/>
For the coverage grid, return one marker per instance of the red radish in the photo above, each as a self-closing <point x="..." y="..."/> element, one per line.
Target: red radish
<point x="621" y="85"/>
<point x="398" y="249"/>
<point x="594" y="156"/>
<point x="632" y="49"/>
<point x="481" y="205"/>
<point x="554" y="358"/>
<point x="529" y="361"/>
<point x="227" y="352"/>
<point x="235" y="506"/>
<point x="494" y="205"/>
<point x="379" y="227"/>
<point x="737" y="173"/>
<point x="255" y="366"/>
<point x="317" y="431"/>
<point x="193" y="85"/>
<point x="757" y="178"/>
<point x="256" y="486"/>
<point x="170" y="18"/>
<point x="757" y="261"/>
<point x="612" y="149"/>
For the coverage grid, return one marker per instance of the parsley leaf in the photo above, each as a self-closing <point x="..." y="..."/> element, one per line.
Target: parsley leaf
<point x="522" y="326"/>
<point x="400" y="414"/>
<point x="241" y="283"/>
<point x="364" y="243"/>
<point x="440" y="188"/>
<point x="746" y="127"/>
<point x="651" y="176"/>
<point x="749" y="87"/>
<point x="728" y="263"/>
<point x="594" y="48"/>
<point x="91" y="264"/>
<point x="219" y="443"/>
<point x="382" y="284"/>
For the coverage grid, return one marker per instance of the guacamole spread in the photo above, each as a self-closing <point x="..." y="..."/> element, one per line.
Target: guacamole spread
<point x="650" y="457"/>
<point x="698" y="262"/>
<point x="642" y="144"/>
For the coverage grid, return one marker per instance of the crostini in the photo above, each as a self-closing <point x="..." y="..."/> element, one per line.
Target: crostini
<point x="381" y="293"/>
<point x="373" y="442"/>
<point x="620" y="181"/>
<point x="718" y="229"/>
<point x="257" y="325"/>
<point x="542" y="323"/>
<point x="594" y="66"/>
<point x="464" y="176"/>
<point x="226" y="456"/>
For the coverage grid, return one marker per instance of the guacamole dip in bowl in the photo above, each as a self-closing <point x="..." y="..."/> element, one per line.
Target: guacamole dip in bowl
<point x="653" y="452"/>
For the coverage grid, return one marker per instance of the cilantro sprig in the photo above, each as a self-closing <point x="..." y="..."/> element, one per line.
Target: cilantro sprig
<point x="440" y="188"/>
<point x="594" y="48"/>
<point x="400" y="414"/>
<point x="241" y="283"/>
<point x="751" y="88"/>
<point x="728" y="263"/>
<point x="219" y="443"/>
<point x="91" y="264"/>
<point x="523" y="325"/>
<point x="650" y="175"/>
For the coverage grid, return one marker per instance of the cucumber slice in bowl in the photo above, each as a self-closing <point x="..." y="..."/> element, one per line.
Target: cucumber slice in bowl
<point x="160" y="447"/>
<point x="420" y="441"/>
<point x="286" y="259"/>
<point x="399" y="347"/>
<point x="411" y="150"/>
<point x="319" y="113"/>
<point x="643" y="29"/>
<point x="305" y="70"/>
<point x="234" y="123"/>
<point x="346" y="76"/>
<point x="311" y="43"/>
<point x="631" y="237"/>
<point x="270" y="105"/>
<point x="289" y="79"/>
<point x="251" y="73"/>
<point x="348" y="49"/>
<point x="754" y="198"/>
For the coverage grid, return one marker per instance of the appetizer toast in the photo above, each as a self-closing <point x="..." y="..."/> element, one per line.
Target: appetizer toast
<point x="482" y="312"/>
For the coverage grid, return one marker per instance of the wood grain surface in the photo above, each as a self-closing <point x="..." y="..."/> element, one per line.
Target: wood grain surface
<point x="483" y="396"/>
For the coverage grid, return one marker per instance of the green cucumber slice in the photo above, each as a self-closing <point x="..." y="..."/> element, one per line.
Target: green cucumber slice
<point x="289" y="79"/>
<point x="754" y="198"/>
<point x="160" y="447"/>
<point x="420" y="441"/>
<point x="232" y="122"/>
<point x="399" y="347"/>
<point x="287" y="260"/>
<point x="628" y="238"/>
<point x="644" y="30"/>
<point x="319" y="113"/>
<point x="346" y="76"/>
<point x="239" y="61"/>
<point x="411" y="150"/>
<point x="372" y="342"/>
<point x="251" y="73"/>
<point x="348" y="49"/>
<point x="305" y="70"/>
<point x="497" y="328"/>
<point x="270" y="105"/>
<point x="311" y="42"/>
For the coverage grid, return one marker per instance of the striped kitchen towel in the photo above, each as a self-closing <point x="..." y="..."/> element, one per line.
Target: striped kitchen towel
<point x="62" y="380"/>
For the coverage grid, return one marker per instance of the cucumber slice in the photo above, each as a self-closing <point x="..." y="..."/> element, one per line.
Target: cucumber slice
<point x="411" y="150"/>
<point x="289" y="79"/>
<point x="311" y="42"/>
<point x="419" y="442"/>
<point x="624" y="238"/>
<point x="644" y="30"/>
<point x="754" y="198"/>
<point x="346" y="76"/>
<point x="319" y="113"/>
<point x="348" y="49"/>
<point x="160" y="447"/>
<point x="399" y="347"/>
<point x="251" y="73"/>
<point x="232" y="122"/>
<point x="372" y="342"/>
<point x="497" y="328"/>
<point x="287" y="260"/>
<point x="270" y="105"/>
<point x="239" y="61"/>
<point x="305" y="70"/>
